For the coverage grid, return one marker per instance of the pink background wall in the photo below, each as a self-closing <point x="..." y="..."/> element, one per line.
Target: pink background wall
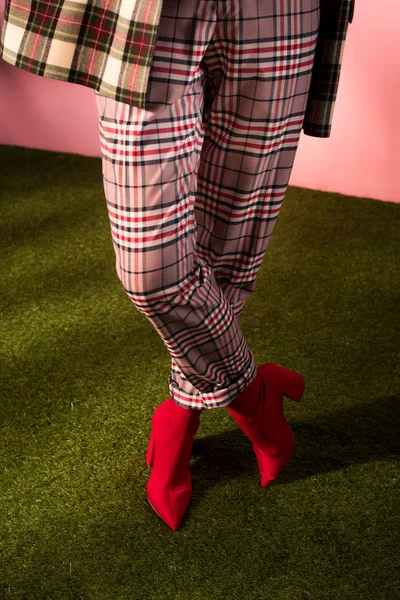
<point x="360" y="158"/>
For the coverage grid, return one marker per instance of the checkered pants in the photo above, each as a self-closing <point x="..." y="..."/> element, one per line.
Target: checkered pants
<point x="195" y="181"/>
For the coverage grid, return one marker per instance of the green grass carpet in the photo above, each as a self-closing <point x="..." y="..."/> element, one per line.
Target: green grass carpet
<point x="82" y="372"/>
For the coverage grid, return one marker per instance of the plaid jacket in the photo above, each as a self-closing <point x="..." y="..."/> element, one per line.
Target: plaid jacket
<point x="108" y="45"/>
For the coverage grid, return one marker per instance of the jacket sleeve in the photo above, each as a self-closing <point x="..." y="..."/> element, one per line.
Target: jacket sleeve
<point x="335" y="15"/>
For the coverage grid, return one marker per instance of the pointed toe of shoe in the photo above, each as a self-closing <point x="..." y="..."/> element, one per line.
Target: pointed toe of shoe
<point x="169" y="504"/>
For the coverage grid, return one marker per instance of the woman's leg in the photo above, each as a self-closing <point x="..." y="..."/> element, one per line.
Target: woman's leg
<point x="190" y="222"/>
<point x="257" y="70"/>
<point x="150" y="162"/>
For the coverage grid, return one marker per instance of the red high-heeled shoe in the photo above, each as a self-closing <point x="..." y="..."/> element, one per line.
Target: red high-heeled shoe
<point x="258" y="411"/>
<point x="169" y="488"/>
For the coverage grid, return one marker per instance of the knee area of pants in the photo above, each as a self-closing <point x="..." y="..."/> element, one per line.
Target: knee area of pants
<point x="149" y="289"/>
<point x="147" y="296"/>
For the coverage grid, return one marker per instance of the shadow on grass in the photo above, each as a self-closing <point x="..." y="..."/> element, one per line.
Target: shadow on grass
<point x="355" y="435"/>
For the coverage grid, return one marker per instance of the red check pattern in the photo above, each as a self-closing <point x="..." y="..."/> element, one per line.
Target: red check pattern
<point x="195" y="181"/>
<point x="108" y="45"/>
